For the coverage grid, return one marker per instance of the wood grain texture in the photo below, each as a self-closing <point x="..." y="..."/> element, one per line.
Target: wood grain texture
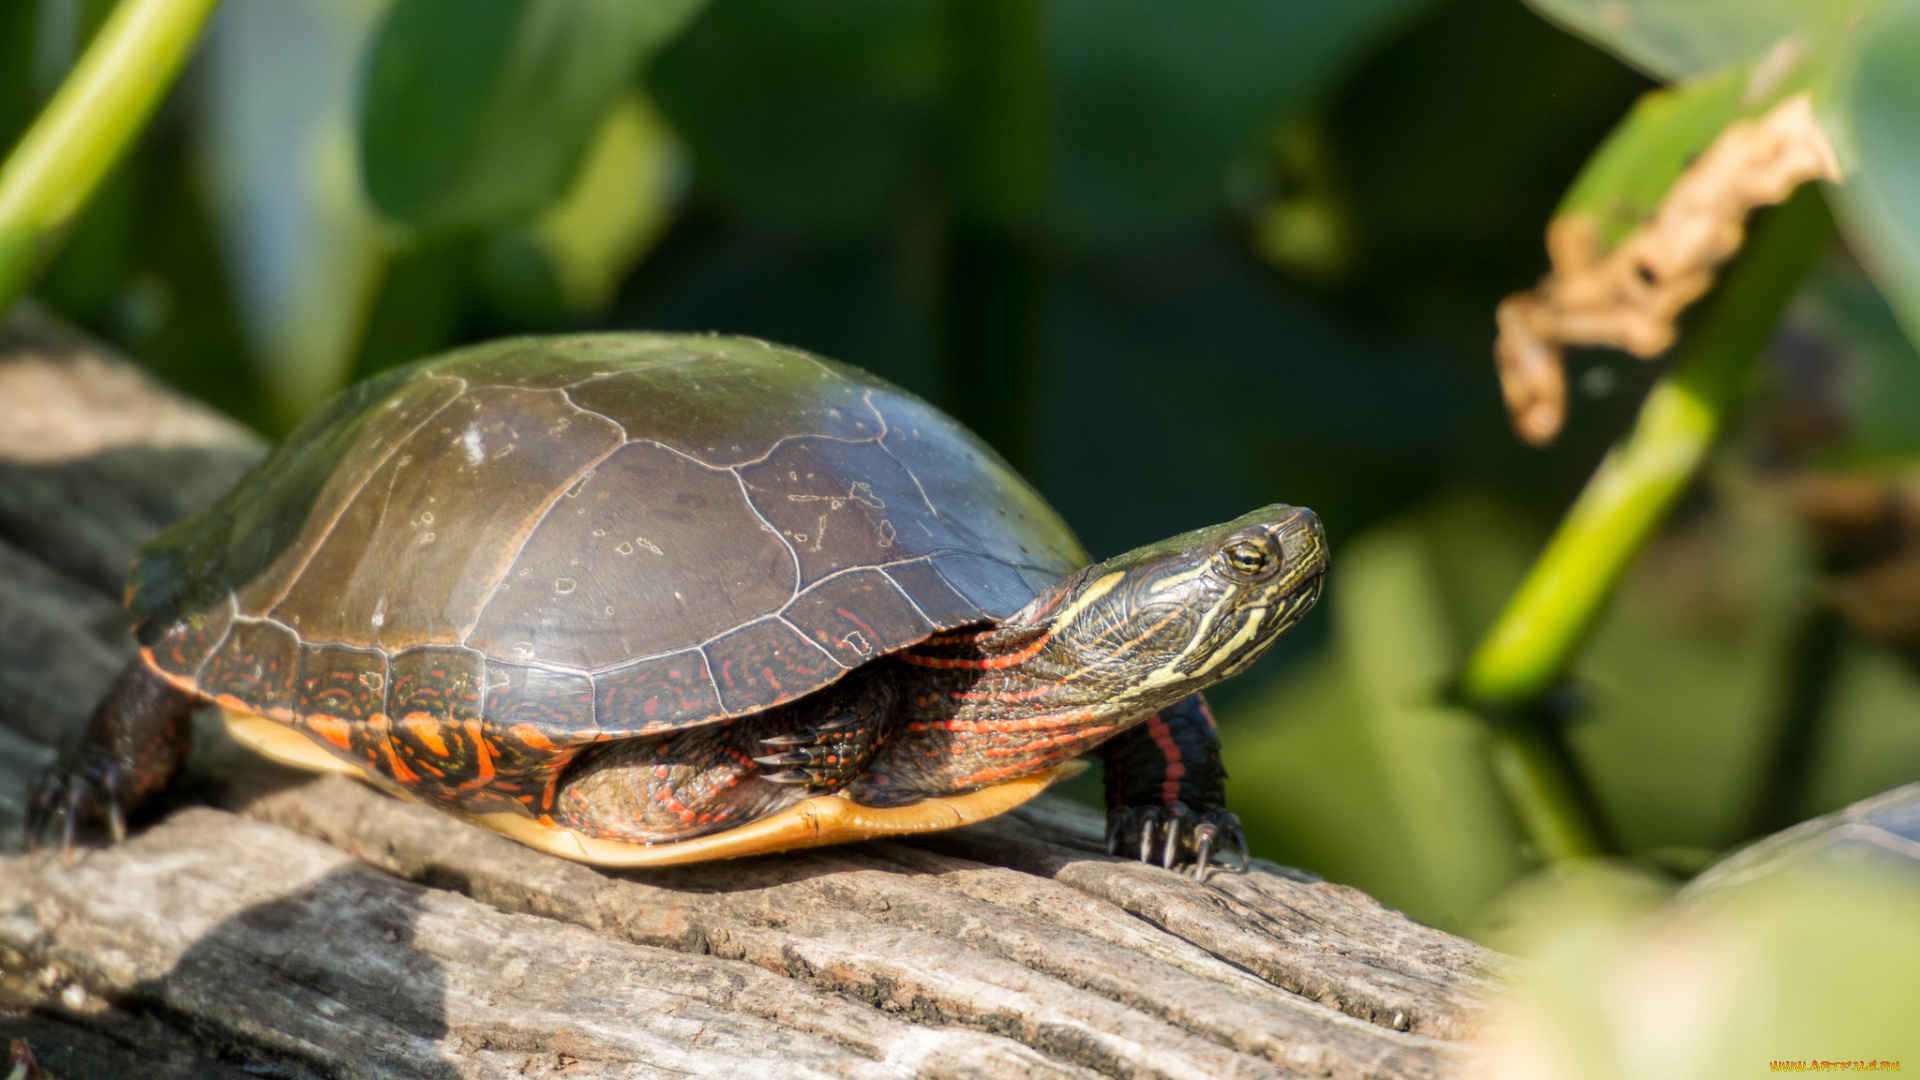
<point x="270" y="923"/>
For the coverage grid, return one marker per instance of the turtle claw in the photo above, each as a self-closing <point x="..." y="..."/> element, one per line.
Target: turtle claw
<point x="1176" y="816"/>
<point x="827" y="754"/>
<point x="1203" y="856"/>
<point x="68" y="792"/>
<point x="1173" y="834"/>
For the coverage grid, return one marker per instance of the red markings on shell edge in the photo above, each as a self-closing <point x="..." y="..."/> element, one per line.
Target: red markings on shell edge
<point x="533" y="738"/>
<point x="333" y="729"/>
<point x="483" y="761"/>
<point x="663" y="694"/>
<point x="556" y="706"/>
<point x="767" y="663"/>
<point x="857" y="616"/>
<point x="426" y="728"/>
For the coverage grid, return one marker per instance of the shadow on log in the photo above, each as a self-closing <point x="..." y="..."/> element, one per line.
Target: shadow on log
<point x="265" y="922"/>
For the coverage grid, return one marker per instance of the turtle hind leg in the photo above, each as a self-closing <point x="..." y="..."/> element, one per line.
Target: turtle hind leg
<point x="675" y="787"/>
<point x="135" y="742"/>
<point x="714" y="777"/>
<point x="1167" y="790"/>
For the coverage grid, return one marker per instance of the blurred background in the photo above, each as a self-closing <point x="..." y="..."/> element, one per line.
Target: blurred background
<point x="1173" y="261"/>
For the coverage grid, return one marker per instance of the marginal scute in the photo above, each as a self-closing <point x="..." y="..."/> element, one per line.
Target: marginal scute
<point x="664" y="693"/>
<point x="558" y="705"/>
<point x="767" y="663"/>
<point x="187" y="642"/>
<point x="256" y="664"/>
<point x="433" y="718"/>
<point x="857" y="616"/>
<point x="341" y="682"/>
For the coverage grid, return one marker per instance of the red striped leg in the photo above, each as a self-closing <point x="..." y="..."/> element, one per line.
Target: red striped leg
<point x="1166" y="790"/>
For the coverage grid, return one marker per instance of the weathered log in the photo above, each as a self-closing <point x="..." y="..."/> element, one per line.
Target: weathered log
<point x="313" y="927"/>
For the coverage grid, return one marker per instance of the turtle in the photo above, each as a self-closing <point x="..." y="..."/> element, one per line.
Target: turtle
<point x="642" y="599"/>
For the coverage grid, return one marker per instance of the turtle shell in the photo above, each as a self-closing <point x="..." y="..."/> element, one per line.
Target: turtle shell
<point x="539" y="543"/>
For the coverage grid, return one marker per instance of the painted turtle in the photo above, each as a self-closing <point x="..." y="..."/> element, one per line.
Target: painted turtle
<point x="643" y="599"/>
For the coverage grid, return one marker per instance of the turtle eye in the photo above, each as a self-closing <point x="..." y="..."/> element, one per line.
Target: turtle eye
<point x="1247" y="558"/>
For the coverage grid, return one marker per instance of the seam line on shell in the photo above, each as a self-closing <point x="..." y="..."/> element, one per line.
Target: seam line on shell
<point x="233" y="608"/>
<point x="802" y="635"/>
<point x="327" y="533"/>
<point x="917" y="485"/>
<point x="902" y="590"/>
<point x="706" y="661"/>
<point x="781" y="613"/>
<point x="270" y="620"/>
<point x="784" y="440"/>
<point x="553" y="500"/>
<point x="792" y="553"/>
<point x="584" y="411"/>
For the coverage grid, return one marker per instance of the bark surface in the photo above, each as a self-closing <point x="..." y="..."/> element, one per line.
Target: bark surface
<point x="264" y="922"/>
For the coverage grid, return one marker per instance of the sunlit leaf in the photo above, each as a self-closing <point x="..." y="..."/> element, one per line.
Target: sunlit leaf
<point x="1623" y="182"/>
<point x="1879" y="101"/>
<point x="617" y="207"/>
<point x="1398" y="644"/>
<point x="478" y="111"/>
<point x="1677" y="39"/>
<point x="306" y="250"/>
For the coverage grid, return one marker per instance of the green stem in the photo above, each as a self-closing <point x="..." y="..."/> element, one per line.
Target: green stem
<point x="1550" y="616"/>
<point x="98" y="110"/>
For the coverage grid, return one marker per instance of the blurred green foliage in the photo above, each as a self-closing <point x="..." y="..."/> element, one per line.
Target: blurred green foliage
<point x="1175" y="261"/>
<point x="1805" y="964"/>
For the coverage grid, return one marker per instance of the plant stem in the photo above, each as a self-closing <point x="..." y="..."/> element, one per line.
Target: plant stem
<point x="1547" y="621"/>
<point x="96" y="113"/>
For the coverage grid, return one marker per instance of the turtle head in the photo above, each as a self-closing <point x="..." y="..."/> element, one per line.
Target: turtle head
<point x="1159" y="622"/>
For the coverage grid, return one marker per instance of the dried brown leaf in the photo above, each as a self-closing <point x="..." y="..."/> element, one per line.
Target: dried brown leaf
<point x="1628" y="298"/>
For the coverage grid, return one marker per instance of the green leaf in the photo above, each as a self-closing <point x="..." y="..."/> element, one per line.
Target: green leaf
<point x="479" y="111"/>
<point x="1623" y="182"/>
<point x="1878" y="94"/>
<point x="815" y="113"/>
<point x="1155" y="101"/>
<point x="617" y="207"/>
<point x="1398" y="643"/>
<point x="305" y="249"/>
<point x="1677" y="39"/>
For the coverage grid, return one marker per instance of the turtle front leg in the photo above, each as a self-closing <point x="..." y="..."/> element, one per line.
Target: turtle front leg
<point x="1166" y="790"/>
<point x="136" y="741"/>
